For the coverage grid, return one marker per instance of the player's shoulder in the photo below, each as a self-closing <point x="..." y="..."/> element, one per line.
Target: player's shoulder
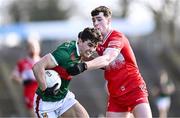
<point x="65" y="47"/>
<point x="117" y="33"/>
<point x="22" y="60"/>
<point x="67" y="44"/>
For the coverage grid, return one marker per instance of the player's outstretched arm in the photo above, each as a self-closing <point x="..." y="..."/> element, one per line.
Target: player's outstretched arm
<point x="109" y="55"/>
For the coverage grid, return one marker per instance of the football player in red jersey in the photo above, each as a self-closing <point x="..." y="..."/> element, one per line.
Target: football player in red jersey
<point x="127" y="91"/>
<point x="23" y="73"/>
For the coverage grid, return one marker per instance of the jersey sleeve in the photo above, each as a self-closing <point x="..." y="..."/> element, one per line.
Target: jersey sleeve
<point x="116" y="41"/>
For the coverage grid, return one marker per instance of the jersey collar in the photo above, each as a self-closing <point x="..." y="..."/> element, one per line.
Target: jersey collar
<point x="77" y="49"/>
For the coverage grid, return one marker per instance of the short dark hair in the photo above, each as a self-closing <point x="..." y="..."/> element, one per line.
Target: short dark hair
<point x="79" y="35"/>
<point x="92" y="34"/>
<point x="105" y="10"/>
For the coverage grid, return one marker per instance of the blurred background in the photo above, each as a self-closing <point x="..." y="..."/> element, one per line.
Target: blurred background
<point x="152" y="27"/>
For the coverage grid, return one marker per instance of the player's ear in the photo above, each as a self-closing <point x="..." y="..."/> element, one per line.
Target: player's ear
<point x="108" y="20"/>
<point x="80" y="42"/>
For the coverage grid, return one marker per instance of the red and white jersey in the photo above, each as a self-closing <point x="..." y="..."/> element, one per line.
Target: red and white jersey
<point x="24" y="69"/>
<point x="122" y="74"/>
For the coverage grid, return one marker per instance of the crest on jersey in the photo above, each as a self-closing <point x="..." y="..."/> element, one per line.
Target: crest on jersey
<point x="44" y="115"/>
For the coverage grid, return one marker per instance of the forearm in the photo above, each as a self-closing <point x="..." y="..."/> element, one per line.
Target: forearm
<point x="98" y="62"/>
<point x="104" y="60"/>
<point x="39" y="73"/>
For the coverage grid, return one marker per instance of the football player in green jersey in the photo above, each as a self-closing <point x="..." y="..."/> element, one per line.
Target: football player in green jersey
<point x="49" y="102"/>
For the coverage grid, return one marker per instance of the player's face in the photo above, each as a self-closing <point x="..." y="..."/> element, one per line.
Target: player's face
<point x="101" y="22"/>
<point x="86" y="48"/>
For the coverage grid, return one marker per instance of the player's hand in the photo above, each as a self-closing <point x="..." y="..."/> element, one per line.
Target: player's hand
<point x="51" y="91"/>
<point x="77" y="68"/>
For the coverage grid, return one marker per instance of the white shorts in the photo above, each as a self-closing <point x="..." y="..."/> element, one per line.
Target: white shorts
<point x="163" y="102"/>
<point x="53" y="109"/>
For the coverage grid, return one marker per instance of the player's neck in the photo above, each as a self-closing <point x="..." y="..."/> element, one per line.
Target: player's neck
<point x="106" y="31"/>
<point x="106" y="34"/>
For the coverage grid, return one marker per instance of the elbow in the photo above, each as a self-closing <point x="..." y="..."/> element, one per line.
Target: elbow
<point x="106" y="63"/>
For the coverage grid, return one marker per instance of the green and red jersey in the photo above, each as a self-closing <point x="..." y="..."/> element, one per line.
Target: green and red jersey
<point x="65" y="55"/>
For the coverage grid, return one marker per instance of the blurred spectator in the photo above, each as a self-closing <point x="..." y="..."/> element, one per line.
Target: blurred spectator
<point x="163" y="93"/>
<point x="23" y="73"/>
